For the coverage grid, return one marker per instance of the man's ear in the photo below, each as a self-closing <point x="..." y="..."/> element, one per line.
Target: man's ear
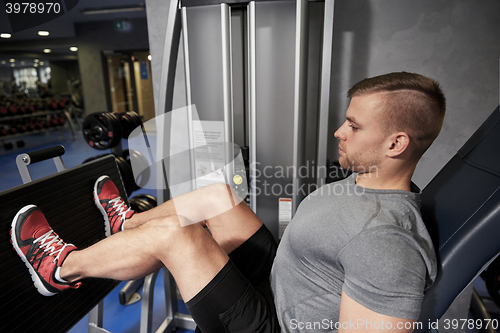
<point x="398" y="144"/>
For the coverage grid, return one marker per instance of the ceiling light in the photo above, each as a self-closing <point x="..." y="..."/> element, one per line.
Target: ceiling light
<point x="41" y="63"/>
<point x="111" y="10"/>
<point x="5" y="35"/>
<point x="47" y="50"/>
<point x="43" y="33"/>
<point x="36" y="60"/>
<point x="73" y="48"/>
<point x="35" y="65"/>
<point x="12" y="60"/>
<point x="13" y="65"/>
<point x="149" y="57"/>
<point x="4" y="62"/>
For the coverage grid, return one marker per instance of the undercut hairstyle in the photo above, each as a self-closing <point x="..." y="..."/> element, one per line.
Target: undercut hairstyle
<point x="415" y="104"/>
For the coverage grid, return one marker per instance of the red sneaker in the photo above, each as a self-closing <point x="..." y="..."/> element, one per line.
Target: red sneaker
<point x="41" y="249"/>
<point x="113" y="208"/>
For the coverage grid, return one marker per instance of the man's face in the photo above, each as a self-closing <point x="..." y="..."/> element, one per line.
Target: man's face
<point x="362" y="137"/>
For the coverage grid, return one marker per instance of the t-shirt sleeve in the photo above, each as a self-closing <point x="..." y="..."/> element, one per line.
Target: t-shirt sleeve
<point x="385" y="272"/>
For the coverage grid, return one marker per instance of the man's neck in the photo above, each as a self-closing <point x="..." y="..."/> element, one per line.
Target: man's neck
<point x="381" y="182"/>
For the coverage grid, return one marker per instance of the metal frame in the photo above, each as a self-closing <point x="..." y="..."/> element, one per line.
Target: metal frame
<point x="166" y="96"/>
<point x="177" y="24"/>
<point x="227" y="82"/>
<point x="174" y="319"/>
<point x="173" y="31"/>
<point x="252" y="101"/>
<point x="189" y="102"/>
<point x="324" y="107"/>
<point x="23" y="160"/>
<point x="300" y="95"/>
<point x="96" y="319"/>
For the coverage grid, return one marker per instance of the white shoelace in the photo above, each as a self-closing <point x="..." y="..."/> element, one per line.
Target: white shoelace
<point x="120" y="207"/>
<point x="48" y="241"/>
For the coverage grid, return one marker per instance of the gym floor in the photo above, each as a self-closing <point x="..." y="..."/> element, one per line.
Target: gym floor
<point x="117" y="318"/>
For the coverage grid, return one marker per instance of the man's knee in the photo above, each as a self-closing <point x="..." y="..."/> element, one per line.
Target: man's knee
<point x="218" y="190"/>
<point x="171" y="229"/>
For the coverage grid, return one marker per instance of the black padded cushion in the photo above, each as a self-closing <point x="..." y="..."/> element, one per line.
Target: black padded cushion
<point x="461" y="208"/>
<point x="67" y="202"/>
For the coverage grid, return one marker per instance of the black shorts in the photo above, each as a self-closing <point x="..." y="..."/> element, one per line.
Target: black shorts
<point x="239" y="298"/>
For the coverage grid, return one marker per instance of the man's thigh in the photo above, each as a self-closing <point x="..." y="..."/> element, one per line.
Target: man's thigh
<point x="240" y="298"/>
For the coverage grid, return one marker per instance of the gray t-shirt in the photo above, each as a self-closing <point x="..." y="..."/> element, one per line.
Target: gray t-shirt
<point x="371" y="244"/>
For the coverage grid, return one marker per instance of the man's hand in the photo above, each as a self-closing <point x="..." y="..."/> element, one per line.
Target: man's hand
<point x="354" y="317"/>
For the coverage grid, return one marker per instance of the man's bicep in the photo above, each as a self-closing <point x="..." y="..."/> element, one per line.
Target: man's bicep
<point x="355" y="317"/>
<point x="385" y="273"/>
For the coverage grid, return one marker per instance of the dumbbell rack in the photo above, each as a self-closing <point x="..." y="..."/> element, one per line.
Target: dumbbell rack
<point x="6" y="124"/>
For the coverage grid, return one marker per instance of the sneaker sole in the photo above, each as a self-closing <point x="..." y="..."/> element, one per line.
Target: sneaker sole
<point x="34" y="275"/>
<point x="107" y="225"/>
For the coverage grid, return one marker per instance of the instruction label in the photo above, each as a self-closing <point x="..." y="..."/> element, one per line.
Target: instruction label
<point x="209" y="152"/>
<point x="285" y="214"/>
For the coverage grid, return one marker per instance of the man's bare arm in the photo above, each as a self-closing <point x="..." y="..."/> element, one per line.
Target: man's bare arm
<point x="355" y="317"/>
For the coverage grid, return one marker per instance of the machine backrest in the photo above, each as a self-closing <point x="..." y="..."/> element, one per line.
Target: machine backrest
<point x="461" y="208"/>
<point x="67" y="202"/>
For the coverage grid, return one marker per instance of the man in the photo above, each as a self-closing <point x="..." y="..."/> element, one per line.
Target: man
<point x="356" y="256"/>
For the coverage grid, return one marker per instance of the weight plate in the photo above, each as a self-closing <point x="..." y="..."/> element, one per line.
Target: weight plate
<point x="138" y="162"/>
<point x="149" y="198"/>
<point x="140" y="204"/>
<point x="102" y="130"/>
<point x="127" y="174"/>
<point x="129" y="121"/>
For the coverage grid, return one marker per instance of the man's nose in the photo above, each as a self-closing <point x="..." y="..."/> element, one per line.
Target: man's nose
<point x="340" y="133"/>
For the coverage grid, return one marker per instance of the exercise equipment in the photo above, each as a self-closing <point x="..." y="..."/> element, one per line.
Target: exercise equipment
<point x="129" y="121"/>
<point x="461" y="209"/>
<point x="130" y="182"/>
<point x="141" y="163"/>
<point x="492" y="279"/>
<point x="143" y="202"/>
<point x="67" y="201"/>
<point x="127" y="174"/>
<point x="125" y="171"/>
<point x="128" y="294"/>
<point x="104" y="130"/>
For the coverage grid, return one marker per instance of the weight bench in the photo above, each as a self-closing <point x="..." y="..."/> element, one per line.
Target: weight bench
<point x="461" y="208"/>
<point x="66" y="200"/>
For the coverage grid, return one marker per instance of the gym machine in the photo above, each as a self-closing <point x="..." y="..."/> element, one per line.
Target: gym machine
<point x="245" y="67"/>
<point x="105" y="130"/>
<point x="64" y="196"/>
